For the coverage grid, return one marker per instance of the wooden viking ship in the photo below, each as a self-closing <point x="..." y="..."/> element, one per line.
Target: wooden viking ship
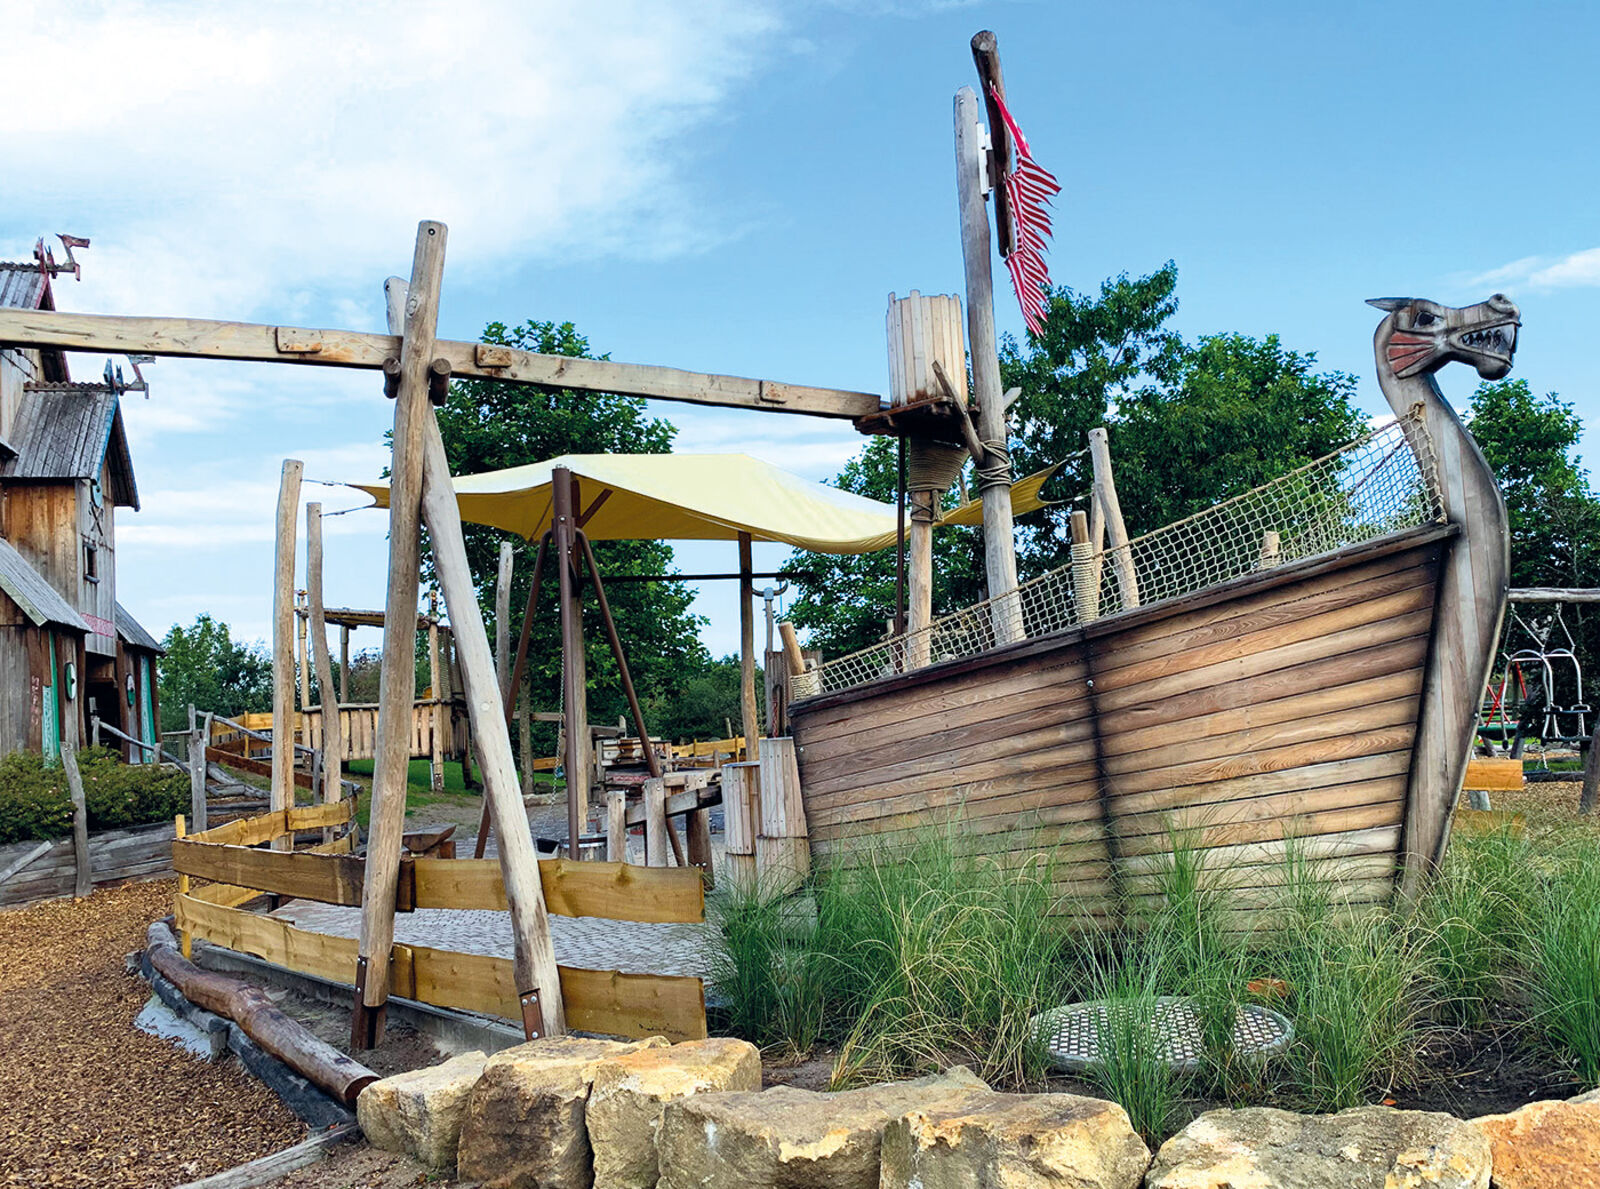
<point x="1296" y="670"/>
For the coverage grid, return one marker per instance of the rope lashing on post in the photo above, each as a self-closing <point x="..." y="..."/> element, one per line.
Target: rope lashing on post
<point x="933" y="466"/>
<point x="994" y="469"/>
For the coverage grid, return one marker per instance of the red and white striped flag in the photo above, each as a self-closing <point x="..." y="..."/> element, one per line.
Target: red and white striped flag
<point x="1029" y="188"/>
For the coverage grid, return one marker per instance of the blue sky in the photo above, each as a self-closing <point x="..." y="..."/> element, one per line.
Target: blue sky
<point x="736" y="187"/>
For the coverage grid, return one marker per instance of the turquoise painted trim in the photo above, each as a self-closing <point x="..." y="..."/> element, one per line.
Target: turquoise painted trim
<point x="50" y="720"/>
<point x="147" y="710"/>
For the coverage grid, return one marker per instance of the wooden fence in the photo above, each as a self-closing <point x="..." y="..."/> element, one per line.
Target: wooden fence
<point x="607" y="1001"/>
<point x="49" y="869"/>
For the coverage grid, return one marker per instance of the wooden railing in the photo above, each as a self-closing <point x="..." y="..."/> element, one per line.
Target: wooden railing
<point x="607" y="1001"/>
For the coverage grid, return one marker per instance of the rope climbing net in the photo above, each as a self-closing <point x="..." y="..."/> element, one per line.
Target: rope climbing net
<point x="1381" y="483"/>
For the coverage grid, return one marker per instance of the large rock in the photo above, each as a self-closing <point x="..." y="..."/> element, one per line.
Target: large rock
<point x="1546" y="1145"/>
<point x="1014" y="1141"/>
<point x="1591" y="1096"/>
<point x="631" y="1092"/>
<point x="793" y="1139"/>
<point x="1367" y="1147"/>
<point x="525" y="1118"/>
<point x="419" y="1113"/>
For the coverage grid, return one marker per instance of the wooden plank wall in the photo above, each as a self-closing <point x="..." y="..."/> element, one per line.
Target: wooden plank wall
<point x="1287" y="710"/>
<point x="144" y="852"/>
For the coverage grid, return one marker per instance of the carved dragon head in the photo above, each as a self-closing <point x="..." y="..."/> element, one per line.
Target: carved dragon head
<point x="1423" y="336"/>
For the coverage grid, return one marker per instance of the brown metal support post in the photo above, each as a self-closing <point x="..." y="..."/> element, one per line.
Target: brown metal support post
<point x="573" y="685"/>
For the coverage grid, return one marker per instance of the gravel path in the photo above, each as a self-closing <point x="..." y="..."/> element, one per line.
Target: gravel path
<point x="90" y="1101"/>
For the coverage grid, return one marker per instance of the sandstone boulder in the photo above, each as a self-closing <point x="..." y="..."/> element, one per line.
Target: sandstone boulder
<point x="631" y="1092"/>
<point x="524" y="1127"/>
<point x="419" y="1113"/>
<point x="1014" y="1141"/>
<point x="1545" y="1145"/>
<point x="1591" y="1096"/>
<point x="1367" y="1147"/>
<point x="793" y="1139"/>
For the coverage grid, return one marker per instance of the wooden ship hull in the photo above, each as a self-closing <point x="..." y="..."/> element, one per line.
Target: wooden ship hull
<point x="1280" y="705"/>
<point x="1318" y="705"/>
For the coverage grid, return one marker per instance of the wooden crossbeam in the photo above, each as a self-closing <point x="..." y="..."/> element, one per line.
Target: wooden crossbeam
<point x="199" y="338"/>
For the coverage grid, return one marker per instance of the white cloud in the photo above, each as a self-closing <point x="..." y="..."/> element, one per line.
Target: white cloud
<point x="1579" y="270"/>
<point x="230" y="156"/>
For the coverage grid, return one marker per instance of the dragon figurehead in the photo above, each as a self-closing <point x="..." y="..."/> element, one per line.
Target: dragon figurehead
<point x="1421" y="336"/>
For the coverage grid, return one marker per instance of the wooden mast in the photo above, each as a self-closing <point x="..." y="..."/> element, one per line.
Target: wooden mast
<point x="574" y="685"/>
<point x="747" y="651"/>
<point x="994" y="473"/>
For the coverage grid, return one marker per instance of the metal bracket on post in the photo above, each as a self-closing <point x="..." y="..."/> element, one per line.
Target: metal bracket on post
<point x="366" y="1023"/>
<point x="532" y="1014"/>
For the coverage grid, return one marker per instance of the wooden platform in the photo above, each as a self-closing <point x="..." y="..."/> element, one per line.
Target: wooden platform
<point x="1280" y="705"/>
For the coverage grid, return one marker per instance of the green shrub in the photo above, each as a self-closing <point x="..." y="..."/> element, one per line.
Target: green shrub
<point x="35" y="801"/>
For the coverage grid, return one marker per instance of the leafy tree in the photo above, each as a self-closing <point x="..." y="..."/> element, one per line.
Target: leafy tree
<point x="205" y="666"/>
<point x="1225" y="415"/>
<point x="704" y="703"/>
<point x="488" y="425"/>
<point x="1552" y="511"/>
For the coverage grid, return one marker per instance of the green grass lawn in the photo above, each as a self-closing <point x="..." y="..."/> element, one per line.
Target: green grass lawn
<point x="419" y="788"/>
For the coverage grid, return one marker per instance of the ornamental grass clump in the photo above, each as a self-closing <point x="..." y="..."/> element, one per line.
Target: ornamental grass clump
<point x="1563" y="974"/>
<point x="908" y="958"/>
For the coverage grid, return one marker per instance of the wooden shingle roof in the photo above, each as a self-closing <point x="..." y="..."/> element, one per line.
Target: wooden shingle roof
<point x="133" y="634"/>
<point x="39" y="601"/>
<point x="69" y="431"/>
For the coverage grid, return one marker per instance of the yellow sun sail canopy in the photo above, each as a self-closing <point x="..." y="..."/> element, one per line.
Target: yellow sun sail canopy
<point x="693" y="497"/>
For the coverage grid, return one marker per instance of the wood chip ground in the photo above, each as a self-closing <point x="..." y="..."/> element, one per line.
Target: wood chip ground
<point x="89" y="1100"/>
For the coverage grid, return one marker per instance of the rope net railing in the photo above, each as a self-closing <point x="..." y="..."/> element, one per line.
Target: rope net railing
<point x="1381" y="483"/>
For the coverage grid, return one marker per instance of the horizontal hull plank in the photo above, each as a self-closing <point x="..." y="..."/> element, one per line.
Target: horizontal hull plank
<point x="1377" y="840"/>
<point x="1070" y="784"/>
<point x="1325" y="592"/>
<point x="1264" y="760"/>
<point x="1365" y="616"/>
<point x="1178" y="822"/>
<point x="1024" y="824"/>
<point x="1262" y="691"/>
<point x="1071" y="691"/>
<point x="942" y="773"/>
<point x="1290" y="657"/>
<point x="1307" y="776"/>
<point x="1333" y="821"/>
<point x="1133" y="744"/>
<point x="1037" y="732"/>
<point x="957" y="692"/>
<point x="1357" y="712"/>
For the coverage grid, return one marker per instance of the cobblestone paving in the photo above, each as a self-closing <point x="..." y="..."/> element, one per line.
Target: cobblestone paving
<point x="590" y="942"/>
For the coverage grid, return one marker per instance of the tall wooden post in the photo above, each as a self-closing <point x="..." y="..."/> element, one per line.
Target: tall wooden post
<point x="1105" y="496"/>
<point x="397" y="681"/>
<point x="344" y="663"/>
<point x="197" y="772"/>
<point x="332" y="725"/>
<point x="282" y="796"/>
<point x="436" y="690"/>
<point x="747" y="650"/>
<point x="994" y="473"/>
<point x="302" y="670"/>
<point x="574" y="685"/>
<point x="533" y="954"/>
<point x="502" y="623"/>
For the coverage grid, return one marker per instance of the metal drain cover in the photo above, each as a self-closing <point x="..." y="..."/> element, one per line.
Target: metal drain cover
<point x="1073" y="1033"/>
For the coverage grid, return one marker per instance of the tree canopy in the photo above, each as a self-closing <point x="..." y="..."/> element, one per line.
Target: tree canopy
<point x="207" y="668"/>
